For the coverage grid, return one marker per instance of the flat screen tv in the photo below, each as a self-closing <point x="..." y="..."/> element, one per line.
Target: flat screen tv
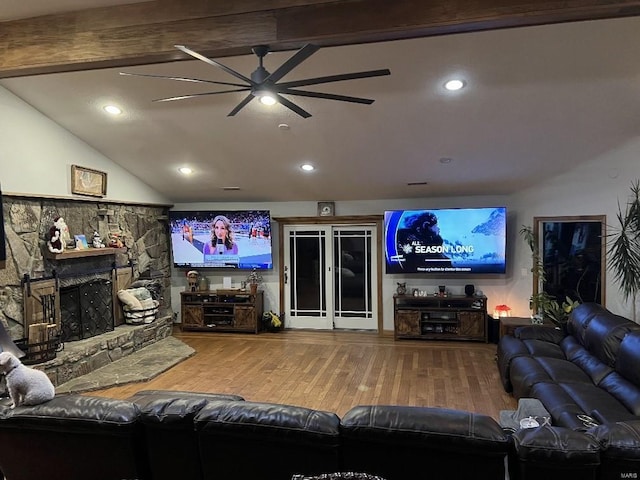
<point x="239" y="239"/>
<point x="446" y="240"/>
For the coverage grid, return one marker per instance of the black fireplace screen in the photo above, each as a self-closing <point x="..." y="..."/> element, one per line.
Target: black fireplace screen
<point x="86" y="310"/>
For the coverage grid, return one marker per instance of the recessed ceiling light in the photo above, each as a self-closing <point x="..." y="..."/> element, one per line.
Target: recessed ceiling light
<point x="307" y="167"/>
<point x="454" y="84"/>
<point x="283" y="126"/>
<point x="445" y="160"/>
<point x="185" y="170"/>
<point x="112" y="109"/>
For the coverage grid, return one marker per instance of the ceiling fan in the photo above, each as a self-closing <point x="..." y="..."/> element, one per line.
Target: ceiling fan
<point x="263" y="84"/>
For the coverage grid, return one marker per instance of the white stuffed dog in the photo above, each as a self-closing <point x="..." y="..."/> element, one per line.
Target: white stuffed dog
<point x="26" y="386"/>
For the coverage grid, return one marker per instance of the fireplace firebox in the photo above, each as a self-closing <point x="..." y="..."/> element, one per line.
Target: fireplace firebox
<point x="86" y="309"/>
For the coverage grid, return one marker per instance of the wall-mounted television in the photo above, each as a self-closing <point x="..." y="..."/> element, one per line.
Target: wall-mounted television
<point x="446" y="241"/>
<point x="239" y="239"/>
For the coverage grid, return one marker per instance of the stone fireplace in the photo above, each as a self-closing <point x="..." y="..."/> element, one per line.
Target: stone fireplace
<point x="48" y="290"/>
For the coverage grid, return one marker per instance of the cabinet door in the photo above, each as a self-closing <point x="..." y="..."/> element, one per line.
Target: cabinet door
<point x="407" y="322"/>
<point x="244" y="318"/>
<point x="472" y="324"/>
<point x="192" y="316"/>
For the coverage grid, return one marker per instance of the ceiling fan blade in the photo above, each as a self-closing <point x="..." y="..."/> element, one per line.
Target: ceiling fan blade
<point x="241" y="105"/>
<point x="335" y="78"/>
<point x="327" y="96"/>
<point x="292" y="106"/>
<point x="195" y="95"/>
<point x="188" y="51"/>
<point x="299" y="57"/>
<point x="181" y="79"/>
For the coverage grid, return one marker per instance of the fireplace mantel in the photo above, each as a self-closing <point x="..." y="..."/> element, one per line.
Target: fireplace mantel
<point x="88" y="252"/>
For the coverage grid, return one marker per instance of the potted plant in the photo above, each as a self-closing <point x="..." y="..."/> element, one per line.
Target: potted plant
<point x="624" y="248"/>
<point x="543" y="305"/>
<point x="253" y="279"/>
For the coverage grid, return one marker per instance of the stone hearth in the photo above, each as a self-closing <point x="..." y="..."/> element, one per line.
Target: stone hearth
<point x="85" y="356"/>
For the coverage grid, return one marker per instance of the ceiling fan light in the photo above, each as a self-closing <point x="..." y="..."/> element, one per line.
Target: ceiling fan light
<point x="267" y="99"/>
<point x="454" y="84"/>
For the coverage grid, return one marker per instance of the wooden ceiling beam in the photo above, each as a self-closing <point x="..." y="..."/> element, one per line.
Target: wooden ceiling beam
<point x="146" y="32"/>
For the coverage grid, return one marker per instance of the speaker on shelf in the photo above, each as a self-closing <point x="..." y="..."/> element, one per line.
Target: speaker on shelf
<point x="469" y="290"/>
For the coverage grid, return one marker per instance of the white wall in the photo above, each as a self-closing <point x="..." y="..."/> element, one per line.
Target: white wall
<point x="36" y="155"/>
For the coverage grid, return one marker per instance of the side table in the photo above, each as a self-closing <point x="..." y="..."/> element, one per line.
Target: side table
<point x="509" y="324"/>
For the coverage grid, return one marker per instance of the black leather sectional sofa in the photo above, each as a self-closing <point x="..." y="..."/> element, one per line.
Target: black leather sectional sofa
<point x="590" y="371"/>
<point x="166" y="435"/>
<point x="588" y="377"/>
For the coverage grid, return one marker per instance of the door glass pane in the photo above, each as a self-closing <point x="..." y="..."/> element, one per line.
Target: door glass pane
<point x="352" y="260"/>
<point x="308" y="273"/>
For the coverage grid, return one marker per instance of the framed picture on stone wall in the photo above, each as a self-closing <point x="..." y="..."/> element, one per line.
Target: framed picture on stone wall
<point x="86" y="181"/>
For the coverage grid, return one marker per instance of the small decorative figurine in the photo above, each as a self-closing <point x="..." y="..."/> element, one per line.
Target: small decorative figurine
<point x="97" y="241"/>
<point x="58" y="236"/>
<point x="402" y="288"/>
<point x="192" y="280"/>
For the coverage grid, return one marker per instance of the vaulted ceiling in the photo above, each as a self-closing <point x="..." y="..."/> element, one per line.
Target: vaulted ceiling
<point x="560" y="90"/>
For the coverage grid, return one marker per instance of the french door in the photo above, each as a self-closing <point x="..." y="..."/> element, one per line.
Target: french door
<point x="330" y="274"/>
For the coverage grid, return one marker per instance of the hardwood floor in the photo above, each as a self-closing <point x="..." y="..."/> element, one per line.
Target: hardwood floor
<point x="336" y="371"/>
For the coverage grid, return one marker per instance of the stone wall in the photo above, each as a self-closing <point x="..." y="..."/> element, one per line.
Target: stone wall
<point x="143" y="229"/>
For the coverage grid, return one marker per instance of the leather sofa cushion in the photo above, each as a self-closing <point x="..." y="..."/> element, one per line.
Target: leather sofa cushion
<point x="167" y="416"/>
<point x="528" y="371"/>
<point x="73" y="437"/>
<point x="429" y="427"/>
<point x="554" y="453"/>
<point x="551" y="445"/>
<point x="537" y="332"/>
<point x="250" y="440"/>
<point x="174" y="409"/>
<point x="509" y="348"/>
<point x="605" y="334"/>
<point x="629" y="358"/>
<point x="619" y="449"/>
<point x="563" y="408"/>
<point x="391" y="441"/>
<point x="590" y="364"/>
<point x="71" y="413"/>
<point x="566" y="401"/>
<point x="269" y="419"/>
<point x="580" y="318"/>
<point x="626" y="392"/>
<point x="591" y="398"/>
<point x="542" y="348"/>
<point x="619" y="440"/>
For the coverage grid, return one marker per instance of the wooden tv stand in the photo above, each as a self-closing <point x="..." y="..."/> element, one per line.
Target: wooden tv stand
<point x="454" y="317"/>
<point x="222" y="311"/>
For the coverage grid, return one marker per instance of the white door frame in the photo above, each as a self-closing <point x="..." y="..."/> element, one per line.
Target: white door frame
<point x="356" y="221"/>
